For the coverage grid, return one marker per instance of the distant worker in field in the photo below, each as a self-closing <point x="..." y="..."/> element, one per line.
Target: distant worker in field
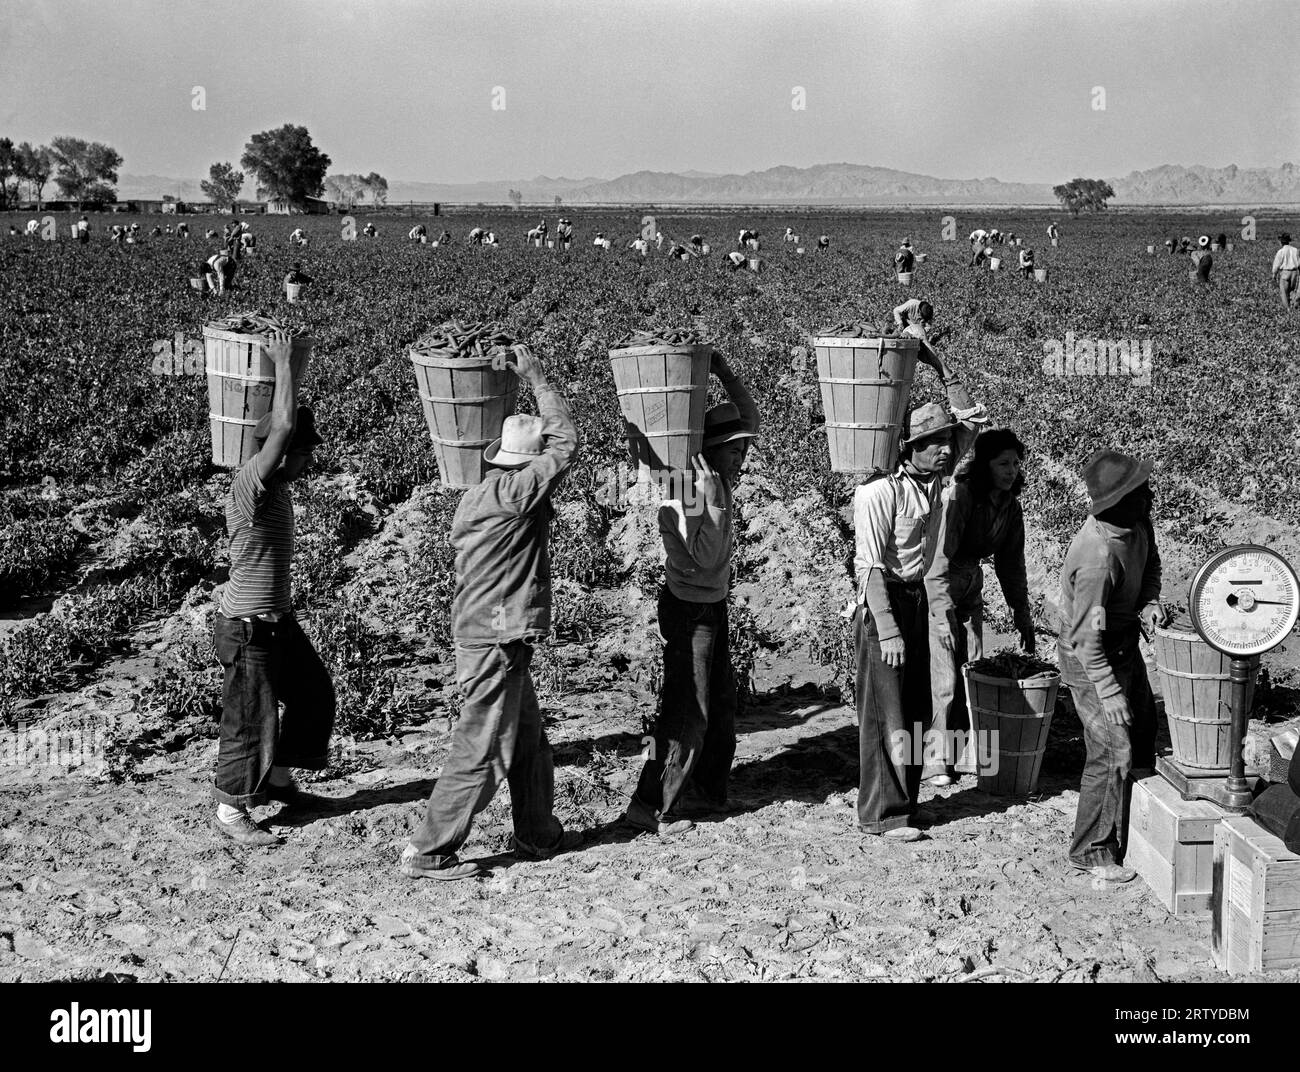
<point x="542" y="231"/>
<point x="995" y="237"/>
<point x="659" y="240"/>
<point x="563" y="234"/>
<point x="297" y="237"/>
<point x="977" y="238"/>
<point x="297" y="276"/>
<point x="746" y="236"/>
<point x="905" y="258"/>
<point x="33" y="226"/>
<point x="418" y="232"/>
<point x="980" y="254"/>
<point x="83" y="230"/>
<point x="501" y="609"/>
<point x="476" y="236"/>
<point x="1053" y="232"/>
<point x="1201" y="260"/>
<point x="1109" y="598"/>
<point x="444" y="238"/>
<point x="824" y="242"/>
<point x="697" y="244"/>
<point x="370" y="231"/>
<point x="640" y="245"/>
<point x="247" y="241"/>
<point x="12" y="230"/>
<point x="210" y="234"/>
<point x="1170" y="246"/>
<point x="1286" y="270"/>
<point x="269" y="661"/>
<point x="220" y="270"/>
<point x="789" y="236"/>
<point x="737" y="260"/>
<point x="117" y="234"/>
<point x="1026" y="262"/>
<point x="695" y="734"/>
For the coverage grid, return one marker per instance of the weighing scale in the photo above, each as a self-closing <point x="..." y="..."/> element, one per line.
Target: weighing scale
<point x="1244" y="601"/>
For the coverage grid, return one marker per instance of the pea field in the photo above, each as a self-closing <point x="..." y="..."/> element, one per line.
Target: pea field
<point x="112" y="542"/>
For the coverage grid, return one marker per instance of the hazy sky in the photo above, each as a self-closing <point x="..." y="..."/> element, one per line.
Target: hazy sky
<point x="953" y="88"/>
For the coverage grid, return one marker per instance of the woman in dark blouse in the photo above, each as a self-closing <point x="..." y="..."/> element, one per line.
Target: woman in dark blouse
<point x="981" y="518"/>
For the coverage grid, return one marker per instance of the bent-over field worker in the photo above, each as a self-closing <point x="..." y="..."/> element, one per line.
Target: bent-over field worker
<point x="1110" y="593"/>
<point x="737" y="260"/>
<point x="905" y="258"/>
<point x="297" y="237"/>
<point x="895" y="524"/>
<point x="980" y="517"/>
<point x="695" y="733"/>
<point x="824" y="242"/>
<point x="502" y="607"/>
<point x="1286" y="270"/>
<point x="220" y="270"/>
<point x="370" y="231"/>
<point x="417" y="232"/>
<point x="1026" y="262"/>
<point x="1053" y="231"/>
<point x="640" y="245"/>
<point x="297" y="275"/>
<point x="268" y="659"/>
<point x="563" y="234"/>
<point x="1202" y="261"/>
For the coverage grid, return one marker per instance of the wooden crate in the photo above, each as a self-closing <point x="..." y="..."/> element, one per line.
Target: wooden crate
<point x="1256" y="899"/>
<point x="1171" y="845"/>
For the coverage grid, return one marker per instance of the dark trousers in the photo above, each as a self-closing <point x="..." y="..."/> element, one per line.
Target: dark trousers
<point x="893" y="713"/>
<point x="1113" y="751"/>
<point x="498" y="737"/>
<point x="695" y="734"/>
<point x="268" y="664"/>
<point x="965" y="624"/>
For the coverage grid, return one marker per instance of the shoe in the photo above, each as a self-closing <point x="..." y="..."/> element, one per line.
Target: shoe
<point x="569" y="840"/>
<point x="1115" y="873"/>
<point x="640" y="817"/>
<point x="294" y="797"/>
<point x="246" y="832"/>
<point x="415" y="865"/>
<point x="902" y="833"/>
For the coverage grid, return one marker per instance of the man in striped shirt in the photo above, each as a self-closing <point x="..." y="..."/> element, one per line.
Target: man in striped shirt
<point x="268" y="660"/>
<point x="1286" y="270"/>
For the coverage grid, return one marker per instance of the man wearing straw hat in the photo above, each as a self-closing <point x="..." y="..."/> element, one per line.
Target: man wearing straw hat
<point x="1110" y="594"/>
<point x="268" y="660"/>
<point x="502" y="607"/>
<point x="695" y="733"/>
<point x="896" y="524"/>
<point x="905" y="258"/>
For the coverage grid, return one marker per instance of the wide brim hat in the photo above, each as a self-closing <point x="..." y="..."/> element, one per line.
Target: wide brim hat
<point x="305" y="436"/>
<point x="722" y="424"/>
<point x="927" y="420"/>
<point x="1110" y="475"/>
<point x="520" y="442"/>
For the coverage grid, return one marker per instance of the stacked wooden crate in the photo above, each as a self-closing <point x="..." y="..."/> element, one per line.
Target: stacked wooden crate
<point x="1171" y="845"/>
<point x="1256" y="899"/>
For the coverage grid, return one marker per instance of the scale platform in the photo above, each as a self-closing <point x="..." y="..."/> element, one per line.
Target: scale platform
<point x="1199" y="784"/>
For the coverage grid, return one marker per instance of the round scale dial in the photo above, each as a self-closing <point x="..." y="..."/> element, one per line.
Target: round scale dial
<point x="1245" y="600"/>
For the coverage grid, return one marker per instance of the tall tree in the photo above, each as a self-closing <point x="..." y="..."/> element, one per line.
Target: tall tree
<point x="1078" y="194"/>
<point x="345" y="189"/>
<point x="86" y="170"/>
<point x="8" y="166"/>
<point x="516" y="198"/>
<point x="286" y="163"/>
<point x="558" y="202"/>
<point x="222" y="184"/>
<point x="35" y="166"/>
<point x="378" y="187"/>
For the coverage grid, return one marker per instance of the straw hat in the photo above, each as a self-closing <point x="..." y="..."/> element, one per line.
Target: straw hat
<point x="927" y="420"/>
<point x="519" y="444"/>
<point x="722" y="424"/>
<point x="1110" y="475"/>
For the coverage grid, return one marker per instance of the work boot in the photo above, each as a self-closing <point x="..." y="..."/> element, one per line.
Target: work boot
<point x="642" y="818"/>
<point x="243" y="830"/>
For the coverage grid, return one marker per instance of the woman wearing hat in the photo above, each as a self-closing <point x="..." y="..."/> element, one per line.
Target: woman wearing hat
<point x="502" y="607"/>
<point x="268" y="660"/>
<point x="1201" y="260"/>
<point x="695" y="733"/>
<point x="905" y="258"/>
<point x="1110" y="595"/>
<point x="895" y="523"/>
<point x="980" y="518"/>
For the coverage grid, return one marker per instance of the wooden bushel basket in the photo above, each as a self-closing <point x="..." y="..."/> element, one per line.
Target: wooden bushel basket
<point x="1197" y="690"/>
<point x="1055" y="241"/>
<point x="995" y="263"/>
<point x="905" y="278"/>
<point x="200" y="283"/>
<point x="1151" y="251"/>
<point x="755" y="264"/>
<point x="1040" y="275"/>
<point x="465" y="403"/>
<point x="292" y="291"/>
<point x="1020" y="713"/>
<point x="663" y="392"/>
<point x="866" y="385"/>
<point x="241" y="386"/>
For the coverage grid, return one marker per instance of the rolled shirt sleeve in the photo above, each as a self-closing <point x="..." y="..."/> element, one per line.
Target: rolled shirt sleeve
<point x="522" y="489"/>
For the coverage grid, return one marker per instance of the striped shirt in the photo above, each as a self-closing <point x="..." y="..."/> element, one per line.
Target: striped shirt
<point x="260" y="523"/>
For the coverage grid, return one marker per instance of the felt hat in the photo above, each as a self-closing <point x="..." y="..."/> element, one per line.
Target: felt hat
<point x="927" y="420"/>
<point x="722" y="424"/>
<point x="519" y="444"/>
<point x="1110" y="475"/>
<point x="305" y="436"/>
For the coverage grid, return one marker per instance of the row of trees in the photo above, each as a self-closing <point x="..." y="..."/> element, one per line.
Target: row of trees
<point x="287" y="166"/>
<point x="82" y="170"/>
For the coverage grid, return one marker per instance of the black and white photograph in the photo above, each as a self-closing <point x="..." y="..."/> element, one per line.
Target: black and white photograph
<point x="690" y="491"/>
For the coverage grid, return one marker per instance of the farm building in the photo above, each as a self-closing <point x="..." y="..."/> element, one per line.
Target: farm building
<point x="311" y="206"/>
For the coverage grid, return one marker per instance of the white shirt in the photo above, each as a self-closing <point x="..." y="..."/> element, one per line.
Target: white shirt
<point x="640" y="245"/>
<point x="978" y="236"/>
<point x="894" y="523"/>
<point x="1287" y="259"/>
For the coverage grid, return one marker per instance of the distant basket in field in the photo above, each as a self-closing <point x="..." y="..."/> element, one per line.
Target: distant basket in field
<point x="905" y="278"/>
<point x="706" y="248"/>
<point x="920" y="258"/>
<point x="662" y="392"/>
<point x="1020" y="712"/>
<point x="241" y="386"/>
<point x="1055" y="241"/>
<point x="1151" y="250"/>
<point x="1040" y="275"/>
<point x="755" y="264"/>
<point x="550" y="243"/>
<point x="866" y="385"/>
<point x="199" y="283"/>
<point x="799" y="250"/>
<point x="465" y="403"/>
<point x="1229" y="247"/>
<point x="1197" y="690"/>
<point x="292" y="291"/>
<point x="752" y="243"/>
<point x="995" y="263"/>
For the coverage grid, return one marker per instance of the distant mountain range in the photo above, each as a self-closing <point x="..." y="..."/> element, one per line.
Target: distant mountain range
<point x="827" y="184"/>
